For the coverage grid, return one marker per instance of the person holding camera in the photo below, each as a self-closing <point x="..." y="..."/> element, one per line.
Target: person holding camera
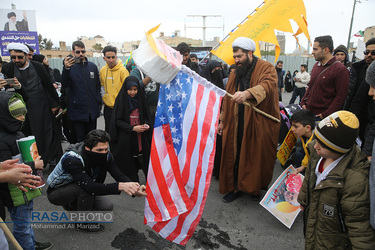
<point x="82" y="79"/>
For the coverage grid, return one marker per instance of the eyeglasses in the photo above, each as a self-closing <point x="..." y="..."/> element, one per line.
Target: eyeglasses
<point x="110" y="57"/>
<point x="80" y="51"/>
<point x="19" y="57"/>
<point x="366" y="52"/>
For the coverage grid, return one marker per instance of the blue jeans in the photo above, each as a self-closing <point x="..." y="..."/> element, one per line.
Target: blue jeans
<point x="23" y="232"/>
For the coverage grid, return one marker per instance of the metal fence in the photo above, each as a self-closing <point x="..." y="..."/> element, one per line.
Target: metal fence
<point x="291" y="63"/>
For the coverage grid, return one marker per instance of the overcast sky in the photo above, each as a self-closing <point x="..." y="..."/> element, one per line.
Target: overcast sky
<point x="120" y="20"/>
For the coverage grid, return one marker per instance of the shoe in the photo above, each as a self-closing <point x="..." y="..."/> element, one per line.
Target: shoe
<point x="89" y="227"/>
<point x="231" y="196"/>
<point x="43" y="245"/>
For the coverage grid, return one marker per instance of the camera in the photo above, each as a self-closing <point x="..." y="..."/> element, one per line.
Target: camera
<point x="77" y="59"/>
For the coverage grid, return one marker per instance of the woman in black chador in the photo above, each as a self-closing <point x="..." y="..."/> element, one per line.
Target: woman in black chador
<point x="130" y="129"/>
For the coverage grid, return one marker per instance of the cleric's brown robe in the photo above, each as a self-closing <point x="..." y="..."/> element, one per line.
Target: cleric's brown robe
<point x="260" y="135"/>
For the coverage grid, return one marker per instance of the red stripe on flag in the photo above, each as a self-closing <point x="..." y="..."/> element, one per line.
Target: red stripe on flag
<point x="162" y="185"/>
<point x="160" y="225"/>
<point x="176" y="167"/>
<point x="208" y="180"/>
<point x="152" y="203"/>
<point x="192" y="138"/>
<point x="150" y="197"/>
<point x="181" y="219"/>
<point x="206" y="127"/>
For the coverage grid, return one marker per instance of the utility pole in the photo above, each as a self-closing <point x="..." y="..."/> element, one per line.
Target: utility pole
<point x="351" y="22"/>
<point x="204" y="27"/>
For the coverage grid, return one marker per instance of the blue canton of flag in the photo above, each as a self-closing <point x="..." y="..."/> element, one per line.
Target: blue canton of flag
<point x="173" y="100"/>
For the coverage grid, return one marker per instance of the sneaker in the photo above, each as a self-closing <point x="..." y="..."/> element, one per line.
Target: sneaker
<point x="89" y="227"/>
<point x="43" y="245"/>
<point x="231" y="196"/>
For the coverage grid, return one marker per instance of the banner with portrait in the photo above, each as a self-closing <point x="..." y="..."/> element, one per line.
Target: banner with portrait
<point x="18" y="26"/>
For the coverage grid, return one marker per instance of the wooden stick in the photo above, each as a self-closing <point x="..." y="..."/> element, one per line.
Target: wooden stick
<point x="9" y="235"/>
<point x="257" y="110"/>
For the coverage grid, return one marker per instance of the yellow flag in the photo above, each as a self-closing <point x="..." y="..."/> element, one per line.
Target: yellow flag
<point x="272" y="15"/>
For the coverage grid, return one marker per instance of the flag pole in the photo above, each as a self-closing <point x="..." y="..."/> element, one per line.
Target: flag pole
<point x="257" y="110"/>
<point x="9" y="235"/>
<point x="351" y="24"/>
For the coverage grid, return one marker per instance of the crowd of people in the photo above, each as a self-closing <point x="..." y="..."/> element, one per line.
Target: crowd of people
<point x="335" y="125"/>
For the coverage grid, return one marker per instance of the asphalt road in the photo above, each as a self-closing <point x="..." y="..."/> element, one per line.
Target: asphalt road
<point x="242" y="224"/>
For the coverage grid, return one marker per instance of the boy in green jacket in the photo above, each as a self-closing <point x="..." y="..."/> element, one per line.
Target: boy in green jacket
<point x="19" y="200"/>
<point x="335" y="191"/>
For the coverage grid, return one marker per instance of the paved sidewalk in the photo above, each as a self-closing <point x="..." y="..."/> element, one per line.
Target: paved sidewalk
<point x="242" y="224"/>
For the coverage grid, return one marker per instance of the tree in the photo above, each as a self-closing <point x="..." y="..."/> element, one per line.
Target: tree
<point x="97" y="47"/>
<point x="49" y="44"/>
<point x="44" y="43"/>
<point x="40" y="40"/>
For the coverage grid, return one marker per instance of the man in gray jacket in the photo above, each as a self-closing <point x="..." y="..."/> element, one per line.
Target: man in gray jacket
<point x="77" y="182"/>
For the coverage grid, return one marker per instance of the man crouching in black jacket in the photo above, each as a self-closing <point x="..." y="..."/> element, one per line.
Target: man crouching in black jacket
<point x="77" y="182"/>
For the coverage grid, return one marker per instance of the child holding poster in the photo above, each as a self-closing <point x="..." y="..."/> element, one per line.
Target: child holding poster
<point x="335" y="191"/>
<point x="19" y="203"/>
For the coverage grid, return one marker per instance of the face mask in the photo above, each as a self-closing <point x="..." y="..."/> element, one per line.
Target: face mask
<point x="95" y="158"/>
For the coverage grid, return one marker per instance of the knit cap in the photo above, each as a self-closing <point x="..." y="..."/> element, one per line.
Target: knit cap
<point x="16" y="106"/>
<point x="341" y="48"/>
<point x="338" y="131"/>
<point x="370" y="74"/>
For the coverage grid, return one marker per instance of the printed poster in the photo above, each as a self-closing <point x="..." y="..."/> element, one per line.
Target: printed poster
<point x="286" y="147"/>
<point x="281" y="198"/>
